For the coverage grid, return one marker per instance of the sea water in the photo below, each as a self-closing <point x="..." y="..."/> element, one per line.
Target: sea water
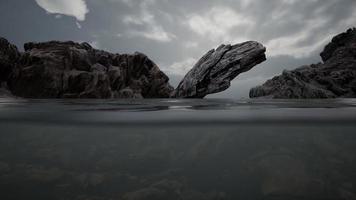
<point x="177" y="149"/>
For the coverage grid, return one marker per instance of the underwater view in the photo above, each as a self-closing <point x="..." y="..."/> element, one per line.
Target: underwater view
<point x="177" y="100"/>
<point x="177" y="149"/>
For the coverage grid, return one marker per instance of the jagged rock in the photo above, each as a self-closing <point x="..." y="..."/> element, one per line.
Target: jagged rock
<point x="216" y="69"/>
<point x="72" y="70"/>
<point x="345" y="41"/>
<point x="336" y="77"/>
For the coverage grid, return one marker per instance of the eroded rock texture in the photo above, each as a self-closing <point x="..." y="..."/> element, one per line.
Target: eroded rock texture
<point x="216" y="69"/>
<point x="72" y="70"/>
<point x="335" y="77"/>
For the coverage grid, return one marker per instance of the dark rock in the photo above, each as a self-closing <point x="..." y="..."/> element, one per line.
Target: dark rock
<point x="216" y="69"/>
<point x="336" y="77"/>
<point x="76" y="70"/>
<point x="345" y="40"/>
<point x="4" y="91"/>
<point x="72" y="70"/>
<point x="8" y="58"/>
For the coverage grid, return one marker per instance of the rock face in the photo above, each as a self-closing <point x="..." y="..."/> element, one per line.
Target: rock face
<point x="335" y="77"/>
<point x="72" y="70"/>
<point x="8" y="57"/>
<point x="216" y="69"/>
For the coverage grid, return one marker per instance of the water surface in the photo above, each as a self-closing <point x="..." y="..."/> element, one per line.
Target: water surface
<point x="177" y="149"/>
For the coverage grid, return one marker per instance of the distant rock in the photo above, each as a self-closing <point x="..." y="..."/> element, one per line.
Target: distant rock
<point x="216" y="69"/>
<point x="335" y="77"/>
<point x="72" y="70"/>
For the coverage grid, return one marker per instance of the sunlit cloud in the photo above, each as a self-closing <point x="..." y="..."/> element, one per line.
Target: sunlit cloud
<point x="74" y="8"/>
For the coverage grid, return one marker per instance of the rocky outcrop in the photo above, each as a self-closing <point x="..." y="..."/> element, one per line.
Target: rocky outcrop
<point x="216" y="69"/>
<point x="8" y="57"/>
<point x="76" y="70"/>
<point x="72" y="70"/>
<point x="335" y="77"/>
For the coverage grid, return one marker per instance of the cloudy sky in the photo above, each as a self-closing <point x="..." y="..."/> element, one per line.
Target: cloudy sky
<point x="176" y="33"/>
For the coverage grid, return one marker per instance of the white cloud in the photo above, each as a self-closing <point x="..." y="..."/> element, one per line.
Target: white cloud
<point x="190" y="44"/>
<point x="74" y="8"/>
<point x="155" y="33"/>
<point x="182" y="67"/>
<point x="152" y="30"/>
<point x="290" y="45"/>
<point x="78" y="25"/>
<point x="217" y="23"/>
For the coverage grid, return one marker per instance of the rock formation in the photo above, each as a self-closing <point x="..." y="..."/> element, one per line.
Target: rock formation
<point x="71" y="70"/>
<point x="8" y="57"/>
<point x="335" y="77"/>
<point x="216" y="69"/>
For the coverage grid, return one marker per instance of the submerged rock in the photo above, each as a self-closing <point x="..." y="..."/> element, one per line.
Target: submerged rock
<point x="335" y="77"/>
<point x="72" y="70"/>
<point x="216" y="69"/>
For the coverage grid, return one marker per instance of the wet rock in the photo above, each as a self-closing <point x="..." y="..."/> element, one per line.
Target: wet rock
<point x="72" y="70"/>
<point x="216" y="69"/>
<point x="335" y="77"/>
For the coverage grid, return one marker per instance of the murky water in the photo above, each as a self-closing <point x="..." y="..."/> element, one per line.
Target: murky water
<point x="177" y="149"/>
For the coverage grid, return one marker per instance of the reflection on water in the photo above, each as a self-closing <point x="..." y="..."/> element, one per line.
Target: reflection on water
<point x="179" y="150"/>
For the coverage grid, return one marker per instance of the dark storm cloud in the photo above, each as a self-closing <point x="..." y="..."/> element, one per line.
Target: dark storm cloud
<point x="176" y="33"/>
